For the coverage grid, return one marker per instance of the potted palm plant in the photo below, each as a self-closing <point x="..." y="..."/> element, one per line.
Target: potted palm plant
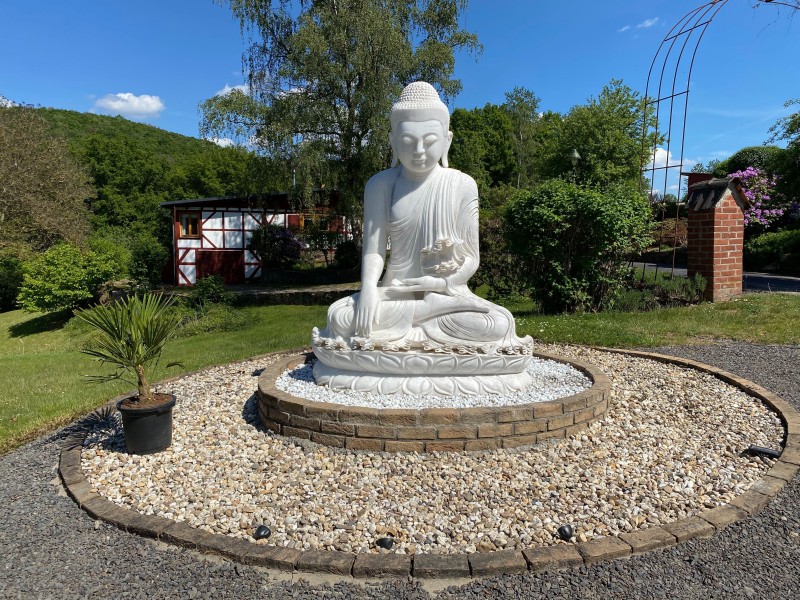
<point x="130" y="336"/>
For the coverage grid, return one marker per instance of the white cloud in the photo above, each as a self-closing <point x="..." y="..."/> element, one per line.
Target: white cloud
<point x="244" y="88"/>
<point x="647" y="23"/>
<point x="663" y="158"/>
<point x="623" y="29"/>
<point x="223" y="142"/>
<point x="130" y="105"/>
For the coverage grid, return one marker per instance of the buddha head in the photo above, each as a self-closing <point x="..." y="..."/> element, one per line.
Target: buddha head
<point x="420" y="134"/>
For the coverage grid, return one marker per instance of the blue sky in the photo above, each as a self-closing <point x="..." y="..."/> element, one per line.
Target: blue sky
<point x="155" y="61"/>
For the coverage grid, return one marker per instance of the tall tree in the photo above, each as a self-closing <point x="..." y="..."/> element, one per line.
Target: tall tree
<point x="522" y="107"/>
<point x="322" y="75"/>
<point x="607" y="133"/>
<point x="787" y="164"/>
<point x="43" y="190"/>
<point x="483" y="145"/>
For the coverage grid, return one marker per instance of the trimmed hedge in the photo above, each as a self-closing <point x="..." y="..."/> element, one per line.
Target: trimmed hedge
<point x="779" y="251"/>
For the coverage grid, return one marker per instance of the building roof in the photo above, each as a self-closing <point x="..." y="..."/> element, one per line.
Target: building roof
<point x="269" y="201"/>
<point x="707" y="194"/>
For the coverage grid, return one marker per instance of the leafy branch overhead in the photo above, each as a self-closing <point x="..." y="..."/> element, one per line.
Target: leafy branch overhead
<point x="322" y="77"/>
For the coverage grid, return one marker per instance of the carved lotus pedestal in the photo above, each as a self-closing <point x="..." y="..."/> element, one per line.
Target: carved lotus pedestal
<point x="439" y="374"/>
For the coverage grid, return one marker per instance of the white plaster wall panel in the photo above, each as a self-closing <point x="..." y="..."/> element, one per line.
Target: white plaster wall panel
<point x="233" y="239"/>
<point x="250" y="222"/>
<point x="189" y="257"/>
<point x="189" y="272"/>
<point x="276" y="219"/>
<point x="249" y="257"/>
<point x="212" y="220"/>
<point x="247" y="236"/>
<point x="233" y="220"/>
<point x="250" y="270"/>
<point x="190" y="243"/>
<point x="213" y="237"/>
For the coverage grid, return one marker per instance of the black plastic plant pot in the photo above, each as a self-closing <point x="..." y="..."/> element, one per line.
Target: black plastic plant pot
<point x="149" y="429"/>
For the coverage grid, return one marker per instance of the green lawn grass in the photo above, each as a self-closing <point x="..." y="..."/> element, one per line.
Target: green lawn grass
<point x="43" y="373"/>
<point x="761" y="318"/>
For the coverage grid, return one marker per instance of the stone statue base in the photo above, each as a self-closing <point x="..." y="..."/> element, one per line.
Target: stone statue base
<point x="463" y="371"/>
<point x="421" y="385"/>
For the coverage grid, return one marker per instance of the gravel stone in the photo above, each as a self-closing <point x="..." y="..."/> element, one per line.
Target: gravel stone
<point x="225" y="475"/>
<point x="52" y="549"/>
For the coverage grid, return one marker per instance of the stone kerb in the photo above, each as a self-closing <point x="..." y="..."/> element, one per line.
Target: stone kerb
<point x="432" y="429"/>
<point x="425" y="566"/>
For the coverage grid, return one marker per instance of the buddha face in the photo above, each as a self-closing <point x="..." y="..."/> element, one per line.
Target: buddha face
<point x="419" y="145"/>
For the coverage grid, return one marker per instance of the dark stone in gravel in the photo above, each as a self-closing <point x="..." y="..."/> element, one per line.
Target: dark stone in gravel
<point x="756" y="557"/>
<point x="262" y="532"/>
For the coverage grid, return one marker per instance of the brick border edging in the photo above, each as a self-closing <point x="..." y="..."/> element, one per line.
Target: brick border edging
<point x="431" y="566"/>
<point x="430" y="429"/>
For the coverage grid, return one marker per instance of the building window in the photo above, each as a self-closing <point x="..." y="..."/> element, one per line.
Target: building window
<point x="190" y="224"/>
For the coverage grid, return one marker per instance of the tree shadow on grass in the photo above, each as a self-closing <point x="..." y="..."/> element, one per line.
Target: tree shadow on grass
<point x="40" y="324"/>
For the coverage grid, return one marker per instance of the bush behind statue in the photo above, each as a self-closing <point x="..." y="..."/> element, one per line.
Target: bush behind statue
<point x="148" y="257"/>
<point x="777" y="251"/>
<point x="658" y="290"/>
<point x="277" y="246"/>
<point x="572" y="243"/>
<point x="348" y="255"/>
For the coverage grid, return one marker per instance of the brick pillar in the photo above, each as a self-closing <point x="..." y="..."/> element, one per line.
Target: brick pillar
<point x="693" y="178"/>
<point x="715" y="242"/>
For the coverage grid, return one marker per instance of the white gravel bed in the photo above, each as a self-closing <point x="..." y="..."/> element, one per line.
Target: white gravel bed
<point x="669" y="446"/>
<point x="551" y="380"/>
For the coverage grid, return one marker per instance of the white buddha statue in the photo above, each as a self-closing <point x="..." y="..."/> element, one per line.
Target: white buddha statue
<point x="419" y="329"/>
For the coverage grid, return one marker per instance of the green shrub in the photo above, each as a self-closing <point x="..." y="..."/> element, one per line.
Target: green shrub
<point x="348" y="255"/>
<point x="148" y="257"/>
<point x="763" y="158"/>
<point x="571" y="243"/>
<point x="114" y="250"/>
<point x="779" y="250"/>
<point x="209" y="290"/>
<point x="499" y="269"/>
<point x="658" y="290"/>
<point x="64" y="278"/>
<point x="10" y="281"/>
<point x="277" y="246"/>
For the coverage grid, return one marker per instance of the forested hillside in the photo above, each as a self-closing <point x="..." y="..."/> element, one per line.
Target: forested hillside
<point x="135" y="166"/>
<point x="81" y="191"/>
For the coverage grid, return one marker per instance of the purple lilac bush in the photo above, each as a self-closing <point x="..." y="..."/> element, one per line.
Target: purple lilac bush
<point x="759" y="189"/>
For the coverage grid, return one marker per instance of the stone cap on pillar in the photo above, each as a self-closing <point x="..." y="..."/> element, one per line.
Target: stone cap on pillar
<point x="706" y="195"/>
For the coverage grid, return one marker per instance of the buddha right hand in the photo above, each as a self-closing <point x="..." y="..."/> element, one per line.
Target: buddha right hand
<point x="367" y="313"/>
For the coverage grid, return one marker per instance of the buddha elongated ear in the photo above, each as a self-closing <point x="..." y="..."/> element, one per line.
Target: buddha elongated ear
<point x="395" y="160"/>
<point x="447" y="149"/>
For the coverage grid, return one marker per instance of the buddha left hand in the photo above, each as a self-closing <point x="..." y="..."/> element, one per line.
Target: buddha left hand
<point x="426" y="283"/>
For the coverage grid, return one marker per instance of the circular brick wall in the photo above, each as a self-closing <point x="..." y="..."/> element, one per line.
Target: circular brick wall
<point x="432" y="429"/>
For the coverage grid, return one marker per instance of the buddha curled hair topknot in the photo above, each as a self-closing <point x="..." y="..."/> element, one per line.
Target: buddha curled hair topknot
<point x="420" y="101"/>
